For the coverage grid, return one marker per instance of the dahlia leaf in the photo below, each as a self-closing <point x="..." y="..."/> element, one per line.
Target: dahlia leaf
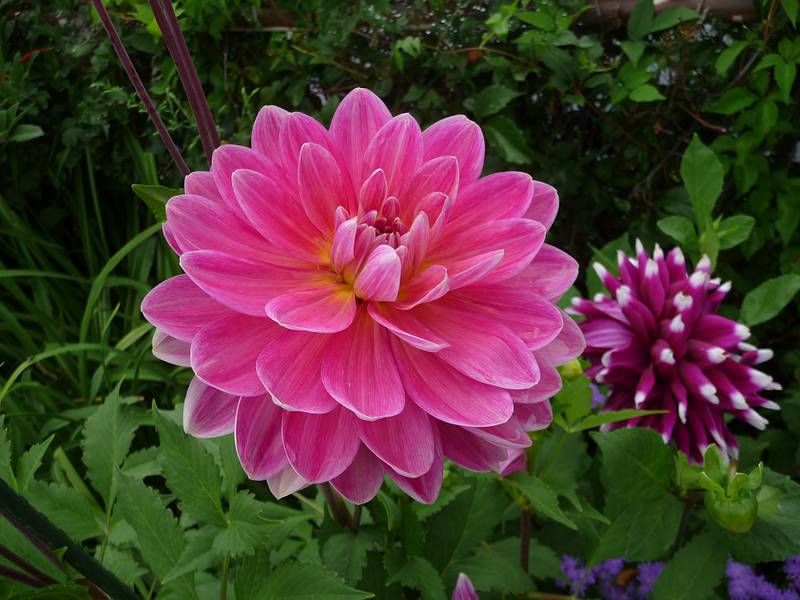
<point x="602" y="418"/>
<point x="191" y="472"/>
<point x="491" y="571"/>
<point x="346" y="554"/>
<point x="30" y="462"/>
<point x="122" y="564"/>
<point x="544" y="499"/>
<point x="6" y="472"/>
<point x="107" y="437"/>
<point x="693" y="572"/>
<point x="198" y="555"/>
<point x="155" y="197"/>
<point x="247" y="528"/>
<point x="417" y="573"/>
<point x="67" y="509"/>
<point x="703" y="175"/>
<point x="298" y="581"/>
<point x="769" y="298"/>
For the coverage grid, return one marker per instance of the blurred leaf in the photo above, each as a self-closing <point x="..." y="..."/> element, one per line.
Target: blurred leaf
<point x="24" y="133"/>
<point x="727" y="57"/>
<point x="346" y="555"/>
<point x="769" y="298"/>
<point x="790" y="6"/>
<point x="492" y="100"/>
<point x="540" y="20"/>
<point x="634" y="50"/>
<point x="6" y="472"/>
<point x="640" y="20"/>
<point x="492" y="571"/>
<point x="602" y="418"/>
<point x="734" y="230"/>
<point x="300" y="581"/>
<point x="156" y="197"/>
<point x="543" y="499"/>
<point x="505" y="137"/>
<point x="417" y="573"/>
<point x="646" y="93"/>
<point x="733" y="101"/>
<point x="788" y="216"/>
<point x="671" y="17"/>
<point x="694" y="571"/>
<point x="703" y="175"/>
<point x="785" y="74"/>
<point x="679" y="229"/>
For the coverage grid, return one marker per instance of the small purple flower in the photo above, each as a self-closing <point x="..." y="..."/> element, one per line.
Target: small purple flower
<point x="597" y="397"/>
<point x="745" y="584"/>
<point x="657" y="343"/>
<point x="792" y="569"/>
<point x="611" y="579"/>
<point x="464" y="589"/>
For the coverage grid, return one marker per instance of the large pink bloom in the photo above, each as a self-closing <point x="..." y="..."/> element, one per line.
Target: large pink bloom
<point x="658" y="343"/>
<point x="358" y="301"/>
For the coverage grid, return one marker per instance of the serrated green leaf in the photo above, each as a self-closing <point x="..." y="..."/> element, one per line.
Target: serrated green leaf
<point x="191" y="472"/>
<point x="769" y="299"/>
<point x="493" y="99"/>
<point x="107" y="437"/>
<point x="693" y="572"/>
<point x="6" y="472"/>
<point x="346" y="554"/>
<point x="161" y="540"/>
<point x="703" y="176"/>
<point x="303" y="581"/>
<point x="67" y="509"/>
<point x="417" y="573"/>
<point x="247" y="529"/>
<point x="492" y="571"/>
<point x="543" y="499"/>
<point x="122" y="564"/>
<point x="506" y="138"/>
<point x="155" y="197"/>
<point x="640" y="20"/>
<point x="30" y="462"/>
<point x="602" y="418"/>
<point x="728" y="56"/>
<point x="734" y="230"/>
<point x="198" y="554"/>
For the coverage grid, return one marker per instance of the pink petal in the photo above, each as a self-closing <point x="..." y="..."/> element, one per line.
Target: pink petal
<point x="289" y="367"/>
<point x="266" y="131"/>
<point x="201" y="183"/>
<point x="397" y="149"/>
<point x="322" y="187"/>
<point x="379" y="279"/>
<point x="361" y="481"/>
<point x="480" y="347"/>
<point x="355" y="122"/>
<point x="515" y="463"/>
<point x="437" y="175"/>
<point x="457" y="136"/>
<point x="373" y="191"/>
<point x="498" y="196"/>
<point x="568" y="344"/>
<point x="606" y="333"/>
<point x="446" y="394"/>
<point x="404" y="442"/>
<point x="320" y="447"/>
<point x="229" y="158"/>
<point x="416" y="244"/>
<point x="171" y="349"/>
<point x="344" y="243"/>
<point x="359" y="370"/>
<point x="548" y="386"/>
<point x="511" y="434"/>
<point x="519" y="239"/>
<point x="244" y="285"/>
<point x="425" y="488"/>
<point x="258" y="437"/>
<point x="276" y="213"/>
<point x="544" y="206"/>
<point x="286" y="482"/>
<point x="170" y="239"/>
<point x="536" y="416"/>
<point x="426" y="286"/>
<point x="469" y="451"/>
<point x="298" y="129"/>
<point x="208" y="412"/>
<point x="551" y="273"/>
<point x="179" y="308"/>
<point x="224" y="353"/>
<point x="469" y="271"/>
<point x="326" y="309"/>
<point x="406" y="326"/>
<point x="464" y="589"/>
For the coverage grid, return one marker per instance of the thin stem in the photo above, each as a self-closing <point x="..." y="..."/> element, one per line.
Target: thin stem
<point x="525" y="539"/>
<point x="32" y="523"/>
<point x="337" y="507"/>
<point x="23" y="564"/>
<point x="130" y="70"/>
<point x="357" y="517"/>
<point x="688" y="506"/>
<point x="176" y="44"/>
<point x="20" y="577"/>
<point x="223" y="581"/>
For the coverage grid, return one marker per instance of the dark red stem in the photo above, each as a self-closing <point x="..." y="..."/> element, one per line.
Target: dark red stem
<point x="40" y="576"/>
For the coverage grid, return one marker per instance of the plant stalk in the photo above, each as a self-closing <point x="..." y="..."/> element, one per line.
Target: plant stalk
<point x="525" y="539"/>
<point x="337" y="507"/>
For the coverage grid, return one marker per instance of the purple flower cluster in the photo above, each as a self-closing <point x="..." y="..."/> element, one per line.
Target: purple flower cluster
<point x="744" y="583"/>
<point x="611" y="580"/>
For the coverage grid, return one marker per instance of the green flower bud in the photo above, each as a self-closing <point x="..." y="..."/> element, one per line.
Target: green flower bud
<point x="571" y="370"/>
<point x="737" y="514"/>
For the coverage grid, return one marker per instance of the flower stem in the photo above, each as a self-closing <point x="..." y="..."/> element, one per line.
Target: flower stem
<point x="42" y="577"/>
<point x="525" y="538"/>
<point x="176" y="44"/>
<point x="130" y="70"/>
<point x="223" y="581"/>
<point x="33" y="524"/>
<point x="337" y="507"/>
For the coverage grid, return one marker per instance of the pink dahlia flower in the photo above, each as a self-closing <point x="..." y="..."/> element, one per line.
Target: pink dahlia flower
<point x="657" y="343"/>
<point x="358" y="301"/>
<point x="464" y="589"/>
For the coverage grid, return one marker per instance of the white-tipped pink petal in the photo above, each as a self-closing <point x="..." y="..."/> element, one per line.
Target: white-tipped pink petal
<point x="208" y="412"/>
<point x="171" y="349"/>
<point x="286" y="482"/>
<point x="258" y="437"/>
<point x="320" y="447"/>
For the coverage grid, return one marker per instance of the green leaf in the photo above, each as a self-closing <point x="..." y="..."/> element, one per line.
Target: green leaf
<point x="703" y="176"/>
<point x="671" y="17"/>
<point x="155" y="197"/>
<point x="507" y="139"/>
<point x="198" y="554"/>
<point x="247" y="528"/>
<point x="191" y="472"/>
<point x="634" y="50"/>
<point x="790" y="7"/>
<point x="694" y="571"/>
<point x="122" y="564"/>
<point x="301" y="581"/>
<point x="346" y="554"/>
<point x="492" y="100"/>
<point x="727" y="57"/>
<point x="543" y="499"/>
<point x="769" y="298"/>
<point x="785" y="73"/>
<point x="732" y="101"/>
<point x="646" y="93"/>
<point x="160" y="538"/>
<point x="417" y="573"/>
<point x="788" y="216"/>
<point x="679" y="229"/>
<point x="30" y="462"/>
<point x="6" y="472"/>
<point x="107" y="437"/>
<point x="25" y="132"/>
<point x="492" y="571"/>
<point x="602" y="418"/>
<point x="540" y="20"/>
<point x="67" y="509"/>
<point x="641" y="20"/>
<point x="734" y="230"/>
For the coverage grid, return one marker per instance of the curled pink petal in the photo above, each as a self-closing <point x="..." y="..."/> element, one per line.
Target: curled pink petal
<point x="424" y="488"/>
<point x="286" y="482"/>
<point x="379" y="280"/>
<point x="326" y="309"/>
<point x="171" y="349"/>
<point x="208" y="412"/>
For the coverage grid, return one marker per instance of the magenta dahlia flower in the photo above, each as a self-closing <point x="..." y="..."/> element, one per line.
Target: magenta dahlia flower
<point x="358" y="301"/>
<point x="657" y="343"/>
